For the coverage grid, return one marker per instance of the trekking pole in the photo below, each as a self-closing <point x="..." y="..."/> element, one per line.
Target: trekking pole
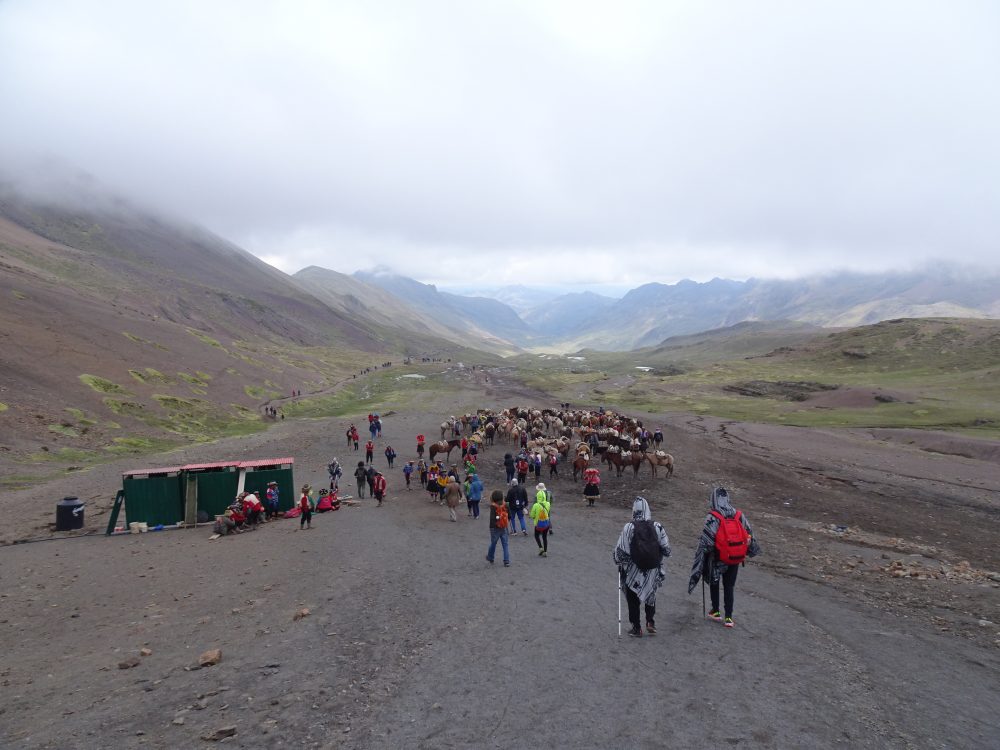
<point x="619" y="576"/>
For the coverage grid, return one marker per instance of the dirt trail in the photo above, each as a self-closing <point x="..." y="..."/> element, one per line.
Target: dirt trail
<point x="414" y="640"/>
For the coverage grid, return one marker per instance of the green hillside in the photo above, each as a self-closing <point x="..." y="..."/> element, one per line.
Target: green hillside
<point x="940" y="373"/>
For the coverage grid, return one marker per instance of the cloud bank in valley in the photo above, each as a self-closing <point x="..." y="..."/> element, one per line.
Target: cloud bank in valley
<point x="570" y="142"/>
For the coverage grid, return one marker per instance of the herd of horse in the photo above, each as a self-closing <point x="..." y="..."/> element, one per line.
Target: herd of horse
<point x="606" y="436"/>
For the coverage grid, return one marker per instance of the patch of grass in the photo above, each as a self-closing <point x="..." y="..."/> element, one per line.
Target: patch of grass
<point x="22" y="481"/>
<point x="112" y="425"/>
<point x="125" y="408"/>
<point x="18" y="295"/>
<point x="232" y="371"/>
<point x="74" y="455"/>
<point x="255" y="391"/>
<point x="205" y="338"/>
<point x="140" y="340"/>
<point x="3" y="406"/>
<point x="102" y="385"/>
<point x="203" y="376"/>
<point x="139" y="445"/>
<point x="192" y="379"/>
<point x="64" y="429"/>
<point x="176" y="403"/>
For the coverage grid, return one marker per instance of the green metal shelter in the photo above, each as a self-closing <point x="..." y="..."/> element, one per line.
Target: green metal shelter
<point x="179" y="494"/>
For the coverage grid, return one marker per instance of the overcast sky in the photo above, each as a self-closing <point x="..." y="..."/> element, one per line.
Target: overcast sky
<point x="502" y="142"/>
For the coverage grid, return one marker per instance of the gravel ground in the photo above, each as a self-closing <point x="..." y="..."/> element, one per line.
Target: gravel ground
<point x="414" y="640"/>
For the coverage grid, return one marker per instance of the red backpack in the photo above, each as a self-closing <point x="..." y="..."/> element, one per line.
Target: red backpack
<point x="731" y="540"/>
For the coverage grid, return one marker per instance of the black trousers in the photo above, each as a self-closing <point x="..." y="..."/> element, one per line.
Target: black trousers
<point x="633" y="608"/>
<point x="728" y="589"/>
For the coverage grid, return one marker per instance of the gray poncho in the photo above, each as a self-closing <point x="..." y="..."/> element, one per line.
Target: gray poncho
<point x="705" y="556"/>
<point x="643" y="582"/>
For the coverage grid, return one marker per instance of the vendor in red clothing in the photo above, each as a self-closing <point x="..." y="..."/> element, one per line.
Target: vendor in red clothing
<point x="306" y="507"/>
<point x="378" y="487"/>
<point x="465" y="446"/>
<point x="369" y="451"/>
<point x="420" y="445"/>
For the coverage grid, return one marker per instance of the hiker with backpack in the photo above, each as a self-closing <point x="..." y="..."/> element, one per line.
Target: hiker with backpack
<point x="639" y="554"/>
<point x="540" y="513"/>
<point x="726" y="541"/>
<point x="498" y="528"/>
<point x="517" y="501"/>
<point x="522" y="469"/>
<point x="390" y="455"/>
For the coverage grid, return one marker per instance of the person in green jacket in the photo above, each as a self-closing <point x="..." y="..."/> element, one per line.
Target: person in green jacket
<point x="540" y="517"/>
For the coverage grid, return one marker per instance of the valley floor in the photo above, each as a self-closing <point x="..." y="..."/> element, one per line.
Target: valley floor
<point x="414" y="640"/>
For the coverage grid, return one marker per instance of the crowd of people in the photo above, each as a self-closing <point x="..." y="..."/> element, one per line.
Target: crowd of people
<point x="726" y="539"/>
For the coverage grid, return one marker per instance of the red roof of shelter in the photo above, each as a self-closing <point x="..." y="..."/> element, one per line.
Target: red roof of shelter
<point x="213" y="465"/>
<point x="165" y="470"/>
<point x="265" y="462"/>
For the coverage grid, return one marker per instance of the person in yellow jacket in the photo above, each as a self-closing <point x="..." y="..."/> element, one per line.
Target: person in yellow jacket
<point x="540" y="517"/>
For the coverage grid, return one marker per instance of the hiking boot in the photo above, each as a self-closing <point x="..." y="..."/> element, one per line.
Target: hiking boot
<point x="506" y="563"/>
<point x="635" y="632"/>
<point x="489" y="561"/>
<point x="715" y="615"/>
<point x="523" y="533"/>
<point x="541" y="553"/>
<point x="545" y="553"/>
<point x="650" y="628"/>
<point x="729" y="623"/>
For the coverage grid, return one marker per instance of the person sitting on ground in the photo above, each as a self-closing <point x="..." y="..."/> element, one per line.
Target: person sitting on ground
<point x="642" y="547"/>
<point x="224" y="524"/>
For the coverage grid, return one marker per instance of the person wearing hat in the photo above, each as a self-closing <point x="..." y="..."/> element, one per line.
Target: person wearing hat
<point x="271" y="497"/>
<point x="378" y="487"/>
<point x="224" y="524"/>
<point x="540" y="517"/>
<point x="306" y="506"/>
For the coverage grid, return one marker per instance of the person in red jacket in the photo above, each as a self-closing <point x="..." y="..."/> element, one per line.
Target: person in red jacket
<point x="420" y="445"/>
<point x="369" y="451"/>
<point x="306" y="506"/>
<point x="378" y="487"/>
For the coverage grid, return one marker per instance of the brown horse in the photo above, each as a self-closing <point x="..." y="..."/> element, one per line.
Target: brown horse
<point x="618" y="458"/>
<point x="581" y="462"/>
<point x="444" y="446"/>
<point x="659" y="458"/>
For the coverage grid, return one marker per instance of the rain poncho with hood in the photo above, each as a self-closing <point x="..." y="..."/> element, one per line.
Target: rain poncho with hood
<point x="706" y="561"/>
<point x="643" y="582"/>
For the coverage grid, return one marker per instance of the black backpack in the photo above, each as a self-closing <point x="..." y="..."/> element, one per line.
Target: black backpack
<point x="645" y="549"/>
